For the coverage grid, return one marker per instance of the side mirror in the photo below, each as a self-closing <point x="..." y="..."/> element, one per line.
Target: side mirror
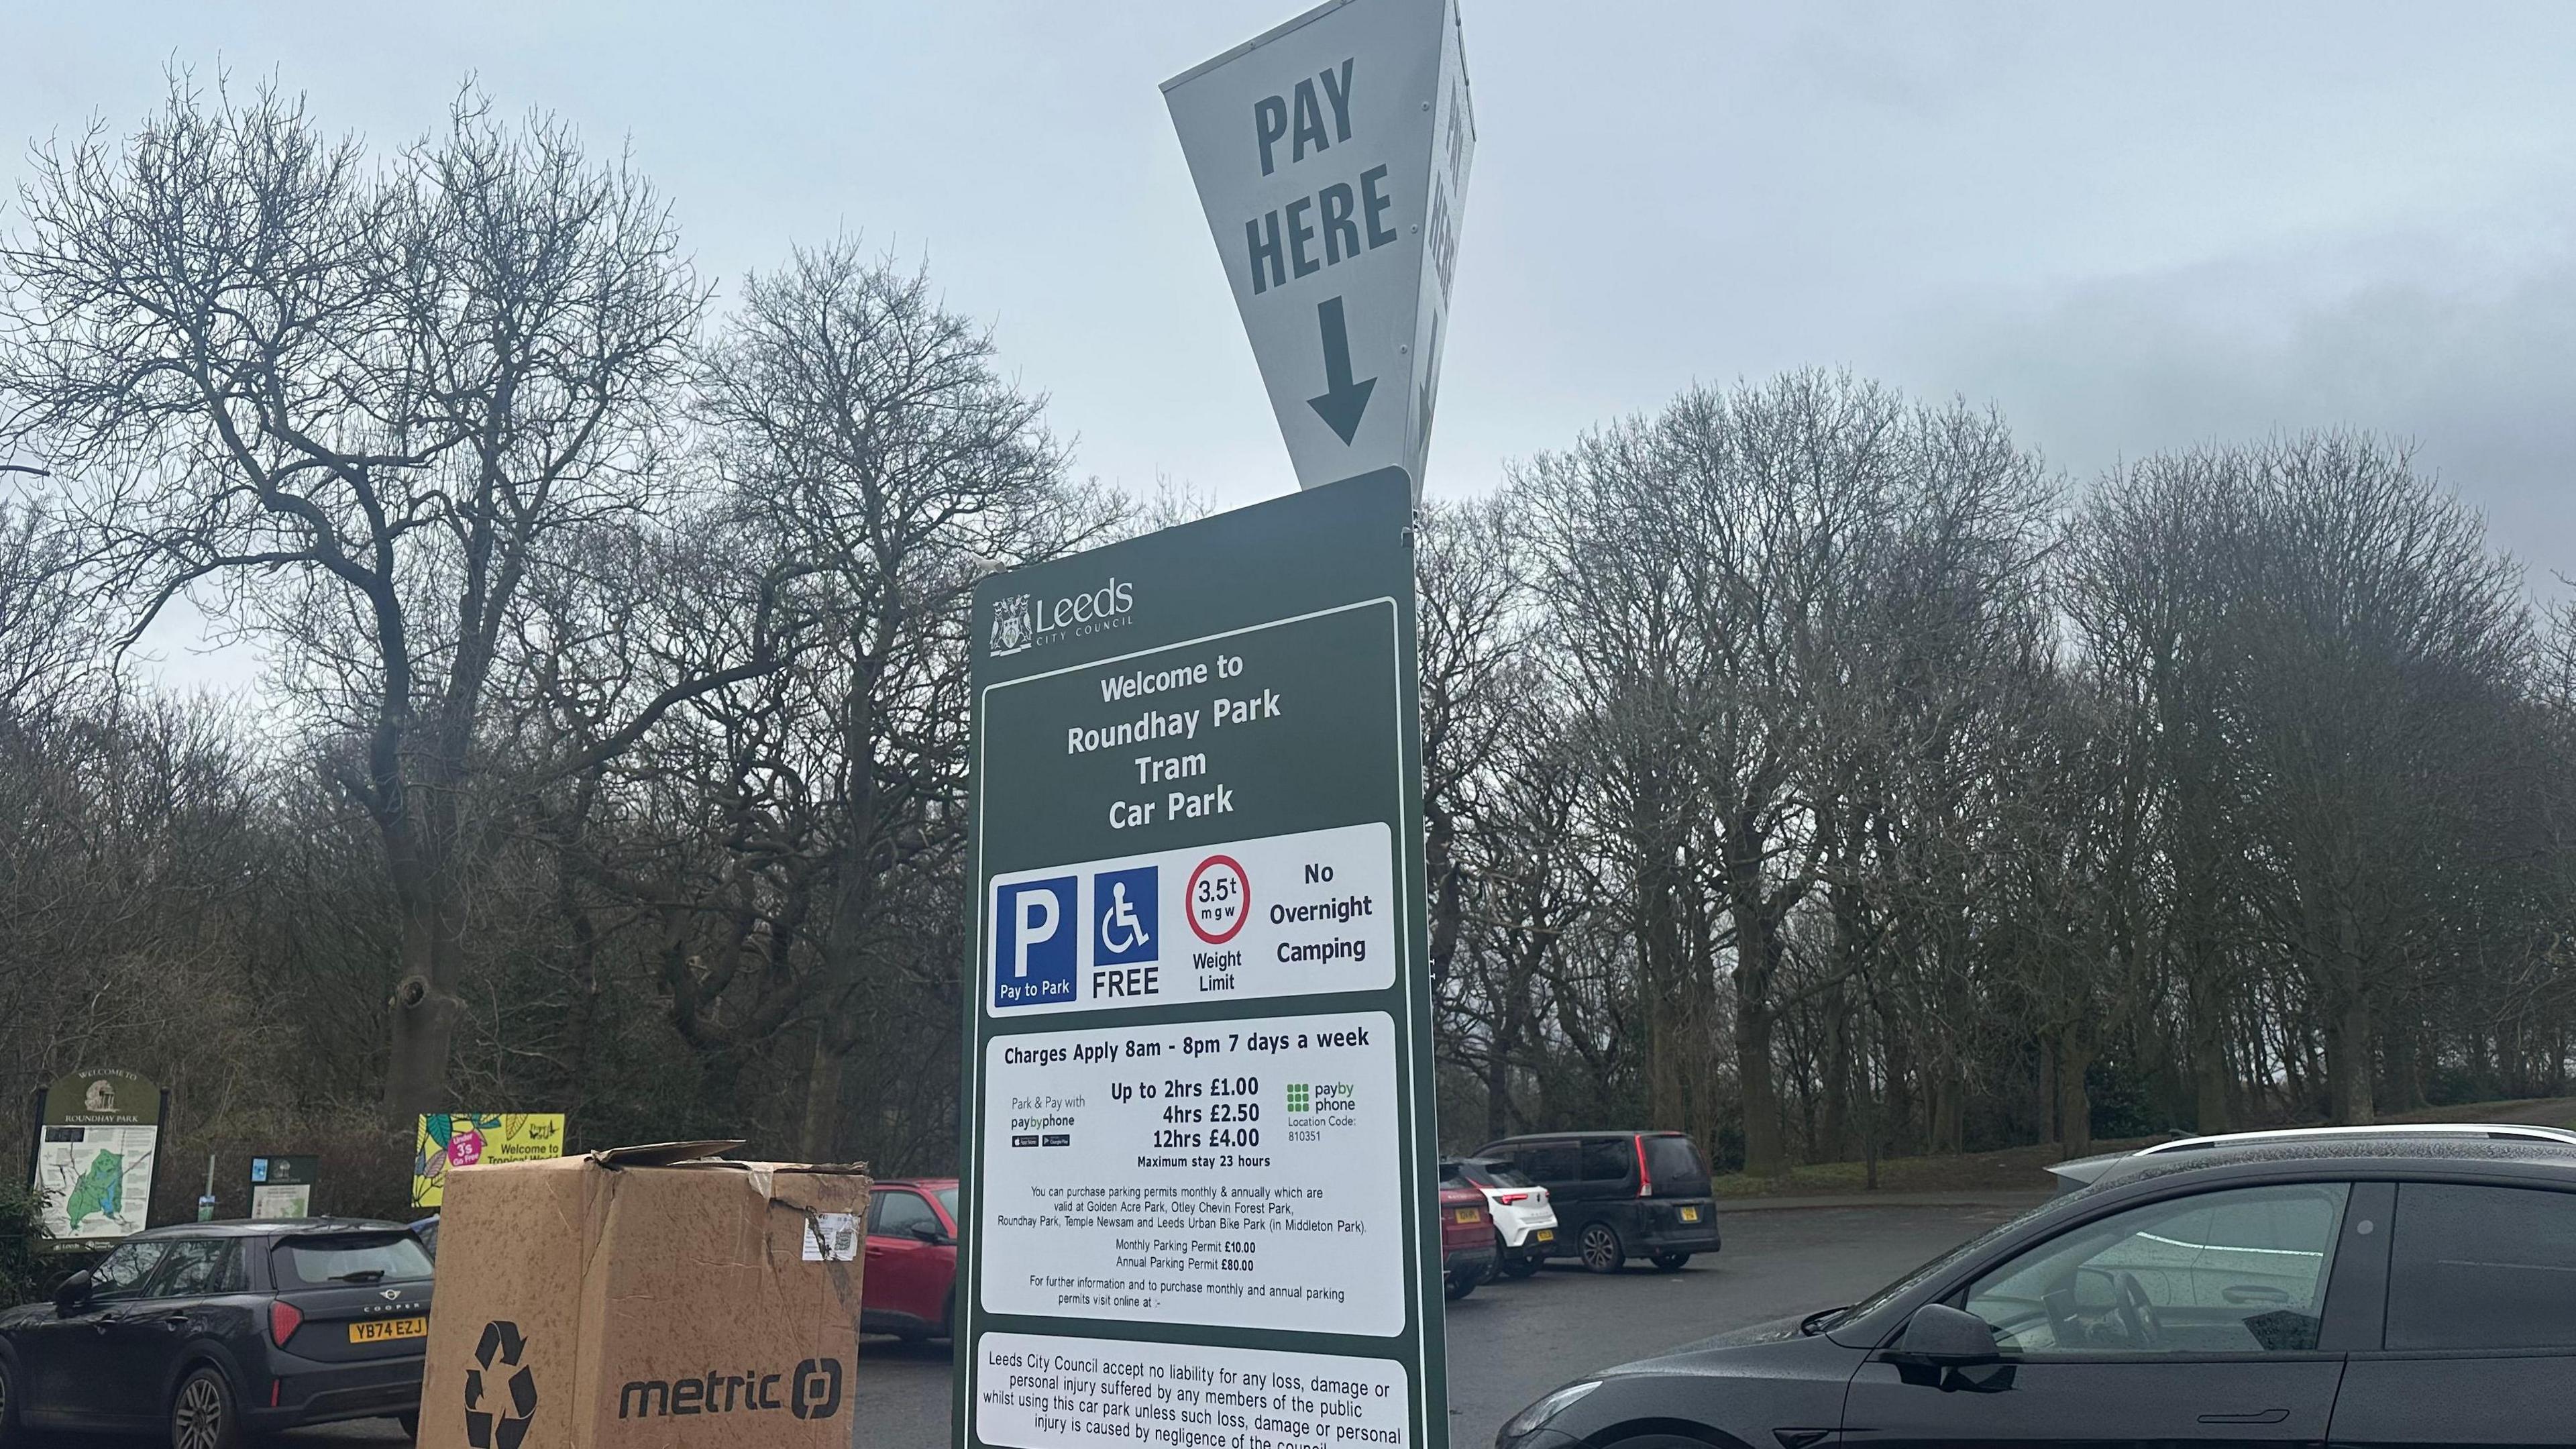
<point x="72" y="1293"/>
<point x="929" y="1232"/>
<point x="1939" y="1336"/>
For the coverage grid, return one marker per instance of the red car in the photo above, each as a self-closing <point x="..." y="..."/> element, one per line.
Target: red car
<point x="1467" y="1255"/>
<point x="911" y="1281"/>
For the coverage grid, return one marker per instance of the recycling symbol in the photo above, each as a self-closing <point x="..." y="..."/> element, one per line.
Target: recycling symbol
<point x="502" y="1421"/>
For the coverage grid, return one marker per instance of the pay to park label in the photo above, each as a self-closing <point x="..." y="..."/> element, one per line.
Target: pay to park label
<point x="1281" y="916"/>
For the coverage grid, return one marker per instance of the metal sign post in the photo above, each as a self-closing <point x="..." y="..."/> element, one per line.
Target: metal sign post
<point x="1331" y="155"/>
<point x="1200" y="1196"/>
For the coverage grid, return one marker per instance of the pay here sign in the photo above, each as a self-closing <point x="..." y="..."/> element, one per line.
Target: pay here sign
<point x="1331" y="156"/>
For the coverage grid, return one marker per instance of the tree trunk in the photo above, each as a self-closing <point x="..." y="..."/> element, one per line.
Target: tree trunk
<point x="2209" y="1074"/>
<point x="1765" y="1154"/>
<point x="1498" y="1096"/>
<point x="1948" y="1128"/>
<point x="819" y="1141"/>
<point x="2348" y="1065"/>
<point x="1659" y="956"/>
<point x="1894" y="1128"/>
<point x="2405" y="1083"/>
<point x="2048" y="1130"/>
<point x="1833" y="1132"/>
<point x="2074" y="1100"/>
<point x="423" y="1008"/>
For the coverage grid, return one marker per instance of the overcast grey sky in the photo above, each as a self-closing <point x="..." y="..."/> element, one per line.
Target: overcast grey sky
<point x="2129" y="228"/>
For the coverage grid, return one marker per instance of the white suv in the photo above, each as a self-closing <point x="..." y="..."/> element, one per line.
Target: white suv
<point x="1524" y="1222"/>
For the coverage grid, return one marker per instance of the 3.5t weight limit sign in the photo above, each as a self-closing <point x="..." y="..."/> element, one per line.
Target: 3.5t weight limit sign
<point x="1218" y="896"/>
<point x="1199" y="1150"/>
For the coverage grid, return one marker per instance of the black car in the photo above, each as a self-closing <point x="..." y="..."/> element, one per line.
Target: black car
<point x="2357" y="1289"/>
<point x="213" y="1331"/>
<point x="1619" y="1195"/>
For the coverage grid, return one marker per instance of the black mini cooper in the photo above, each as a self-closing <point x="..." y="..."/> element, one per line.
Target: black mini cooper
<point x="2360" y="1287"/>
<point x="214" y="1331"/>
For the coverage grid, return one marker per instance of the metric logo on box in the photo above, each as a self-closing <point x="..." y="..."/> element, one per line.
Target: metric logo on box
<point x="1035" y="942"/>
<point x="1124" y="915"/>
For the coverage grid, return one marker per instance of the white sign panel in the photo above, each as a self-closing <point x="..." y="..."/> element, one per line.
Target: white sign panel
<point x="281" y="1200"/>
<point x="96" y="1181"/>
<point x="1220" y="1172"/>
<point x="1281" y="916"/>
<point x="1331" y="156"/>
<point x="1046" y="1389"/>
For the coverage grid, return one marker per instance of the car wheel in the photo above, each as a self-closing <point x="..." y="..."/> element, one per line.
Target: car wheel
<point x="8" y="1404"/>
<point x="1671" y="1262"/>
<point x="1602" y="1250"/>
<point x="1661" y="1441"/>
<point x="948" y="1317"/>
<point x="1519" y="1267"/>
<point x="410" y="1424"/>
<point x="202" y="1414"/>
<point x="1460" y="1285"/>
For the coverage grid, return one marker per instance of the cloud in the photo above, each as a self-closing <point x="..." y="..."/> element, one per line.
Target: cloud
<point x="2461" y="346"/>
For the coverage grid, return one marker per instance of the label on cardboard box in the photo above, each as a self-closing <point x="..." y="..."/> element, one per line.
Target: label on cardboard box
<point x="832" y="1238"/>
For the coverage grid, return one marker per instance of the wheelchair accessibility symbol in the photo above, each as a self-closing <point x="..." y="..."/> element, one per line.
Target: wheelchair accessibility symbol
<point x="1126" y="902"/>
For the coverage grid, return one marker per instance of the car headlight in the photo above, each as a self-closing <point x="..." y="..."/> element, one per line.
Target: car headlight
<point x="1528" y="1420"/>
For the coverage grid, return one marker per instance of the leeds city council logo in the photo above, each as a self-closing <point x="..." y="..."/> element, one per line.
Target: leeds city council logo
<point x="1012" y="628"/>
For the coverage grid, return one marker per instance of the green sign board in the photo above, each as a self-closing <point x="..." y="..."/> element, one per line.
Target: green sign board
<point x="98" y="1140"/>
<point x="281" y="1185"/>
<point x="1199" y="1165"/>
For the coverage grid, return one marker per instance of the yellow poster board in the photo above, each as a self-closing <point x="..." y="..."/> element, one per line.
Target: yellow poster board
<point x="462" y="1139"/>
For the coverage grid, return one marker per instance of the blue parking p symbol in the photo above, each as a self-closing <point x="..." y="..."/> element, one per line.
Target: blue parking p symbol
<point x="1035" y="941"/>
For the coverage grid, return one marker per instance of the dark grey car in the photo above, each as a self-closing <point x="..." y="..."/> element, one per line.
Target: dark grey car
<point x="211" y="1331"/>
<point x="2354" y="1289"/>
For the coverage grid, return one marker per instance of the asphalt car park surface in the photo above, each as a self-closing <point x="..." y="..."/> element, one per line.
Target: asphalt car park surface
<point x="1509" y="1342"/>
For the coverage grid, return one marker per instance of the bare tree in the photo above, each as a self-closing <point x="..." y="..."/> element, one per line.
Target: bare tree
<point x="2376" y="630"/>
<point x="867" y="431"/>
<point x="354" y="410"/>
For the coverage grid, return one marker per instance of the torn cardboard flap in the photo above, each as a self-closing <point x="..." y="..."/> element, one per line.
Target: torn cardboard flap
<point x="646" y="1296"/>
<point x="665" y="1154"/>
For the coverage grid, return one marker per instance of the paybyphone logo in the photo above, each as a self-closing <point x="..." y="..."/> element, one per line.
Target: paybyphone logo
<point x="1036" y="930"/>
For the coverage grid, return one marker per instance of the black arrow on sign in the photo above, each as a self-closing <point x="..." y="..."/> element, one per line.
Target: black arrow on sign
<point x="1344" y="400"/>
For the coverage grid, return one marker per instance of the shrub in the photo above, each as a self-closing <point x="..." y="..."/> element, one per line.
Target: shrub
<point x="25" y="1270"/>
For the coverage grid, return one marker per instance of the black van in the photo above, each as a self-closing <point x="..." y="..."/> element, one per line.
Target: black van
<point x="1619" y="1195"/>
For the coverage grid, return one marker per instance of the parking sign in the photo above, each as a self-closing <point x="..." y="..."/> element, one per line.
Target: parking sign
<point x="1124" y="915"/>
<point x="1035" y="942"/>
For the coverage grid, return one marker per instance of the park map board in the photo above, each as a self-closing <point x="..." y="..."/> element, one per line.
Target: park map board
<point x="97" y="1144"/>
<point x="1199" y="1156"/>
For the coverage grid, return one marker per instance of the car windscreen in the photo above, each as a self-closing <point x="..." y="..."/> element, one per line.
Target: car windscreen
<point x="1855" y="1316"/>
<point x="1673" y="1163"/>
<point x="1484" y="1173"/>
<point x="324" y="1262"/>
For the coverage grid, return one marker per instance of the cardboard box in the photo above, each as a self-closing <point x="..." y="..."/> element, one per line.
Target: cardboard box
<point x="645" y="1297"/>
